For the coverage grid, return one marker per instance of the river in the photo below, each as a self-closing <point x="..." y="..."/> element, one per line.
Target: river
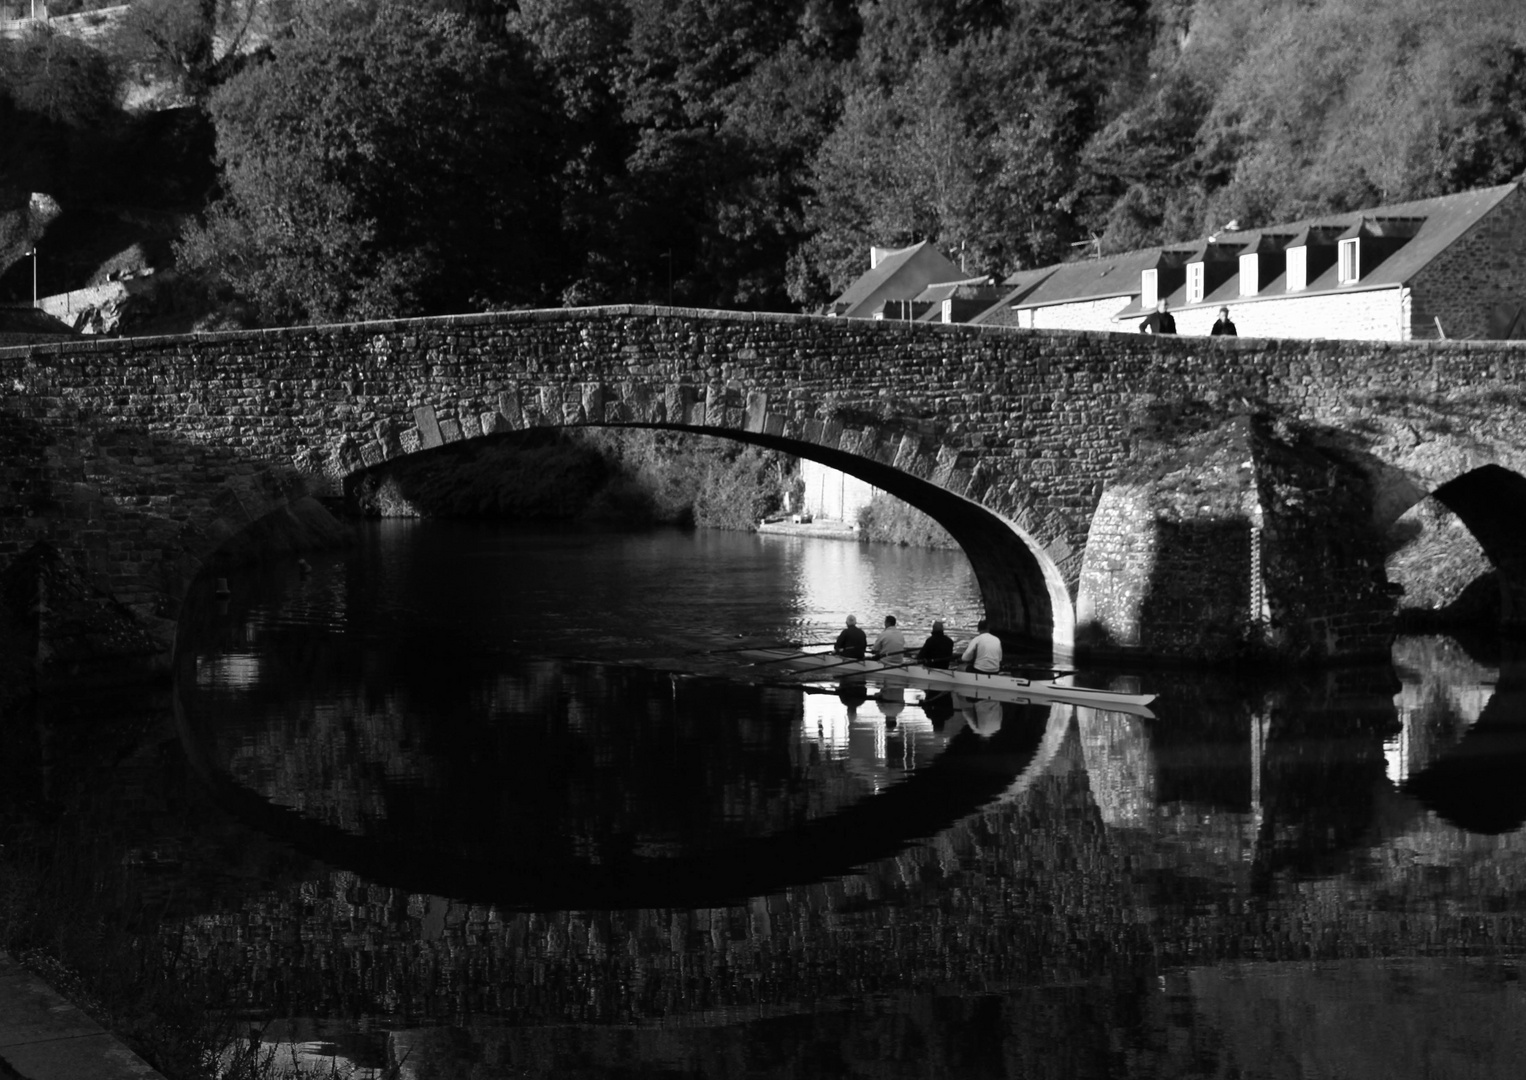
<point x="499" y="802"/>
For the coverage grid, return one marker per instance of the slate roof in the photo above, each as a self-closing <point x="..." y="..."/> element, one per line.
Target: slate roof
<point x="900" y="275"/>
<point x="1445" y="219"/>
<point x="29" y="325"/>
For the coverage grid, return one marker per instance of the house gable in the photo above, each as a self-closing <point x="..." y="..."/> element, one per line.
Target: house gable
<point x="900" y="274"/>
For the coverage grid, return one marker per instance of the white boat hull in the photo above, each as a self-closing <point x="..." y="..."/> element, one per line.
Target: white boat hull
<point x="977" y="685"/>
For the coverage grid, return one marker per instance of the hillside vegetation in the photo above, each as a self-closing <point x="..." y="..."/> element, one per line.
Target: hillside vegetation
<point x="375" y="158"/>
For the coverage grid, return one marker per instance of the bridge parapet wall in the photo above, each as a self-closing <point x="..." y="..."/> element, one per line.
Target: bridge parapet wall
<point x="1030" y="424"/>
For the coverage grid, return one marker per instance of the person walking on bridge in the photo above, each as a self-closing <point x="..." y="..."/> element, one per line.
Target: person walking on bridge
<point x="983" y="653"/>
<point x="1159" y="321"/>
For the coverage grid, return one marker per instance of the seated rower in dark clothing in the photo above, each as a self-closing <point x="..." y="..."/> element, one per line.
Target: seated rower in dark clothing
<point x="852" y="642"/>
<point x="937" y="650"/>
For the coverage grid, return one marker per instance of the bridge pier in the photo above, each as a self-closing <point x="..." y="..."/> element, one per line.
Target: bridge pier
<point x="1244" y="541"/>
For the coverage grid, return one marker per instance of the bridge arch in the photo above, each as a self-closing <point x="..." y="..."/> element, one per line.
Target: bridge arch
<point x="1023" y="591"/>
<point x="1489" y="501"/>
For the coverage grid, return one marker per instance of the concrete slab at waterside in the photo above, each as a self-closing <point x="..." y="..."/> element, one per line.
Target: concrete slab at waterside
<point x="43" y="1037"/>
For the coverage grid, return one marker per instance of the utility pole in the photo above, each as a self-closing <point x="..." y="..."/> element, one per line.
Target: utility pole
<point x="34" y="270"/>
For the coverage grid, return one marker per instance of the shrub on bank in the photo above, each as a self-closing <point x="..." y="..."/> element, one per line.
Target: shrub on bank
<point x="633" y="478"/>
<point x="888" y="520"/>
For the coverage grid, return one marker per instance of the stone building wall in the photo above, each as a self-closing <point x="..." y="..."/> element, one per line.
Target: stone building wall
<point x="1484" y="269"/>
<point x="1081" y="315"/>
<point x="1371" y="315"/>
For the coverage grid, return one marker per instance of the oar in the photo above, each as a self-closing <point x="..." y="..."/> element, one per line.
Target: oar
<point x="774" y="645"/>
<point x="786" y="659"/>
<point x="823" y="667"/>
<point x="841" y="663"/>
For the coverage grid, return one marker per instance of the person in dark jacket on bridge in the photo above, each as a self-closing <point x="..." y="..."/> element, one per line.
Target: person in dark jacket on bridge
<point x="1159" y="321"/>
<point x="1225" y="326"/>
<point x="937" y="650"/>
<point x="852" y="642"/>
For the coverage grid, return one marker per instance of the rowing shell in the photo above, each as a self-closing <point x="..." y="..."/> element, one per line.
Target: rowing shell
<point x="972" y="684"/>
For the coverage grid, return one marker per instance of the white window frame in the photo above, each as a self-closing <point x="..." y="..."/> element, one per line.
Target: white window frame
<point x="1250" y="274"/>
<point x="1349" y="262"/>
<point x="1298" y="268"/>
<point x="1196" y="279"/>
<point x="1149" y="289"/>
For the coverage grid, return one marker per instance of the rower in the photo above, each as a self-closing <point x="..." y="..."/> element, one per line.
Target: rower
<point x="852" y="641"/>
<point x="983" y="653"/>
<point x="938" y="649"/>
<point x="891" y="643"/>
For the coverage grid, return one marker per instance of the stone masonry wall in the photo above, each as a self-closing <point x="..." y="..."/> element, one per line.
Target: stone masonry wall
<point x="173" y="442"/>
<point x="1484" y="268"/>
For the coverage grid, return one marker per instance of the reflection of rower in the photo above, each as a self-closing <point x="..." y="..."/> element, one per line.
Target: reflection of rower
<point x="938" y="707"/>
<point x="983" y="716"/>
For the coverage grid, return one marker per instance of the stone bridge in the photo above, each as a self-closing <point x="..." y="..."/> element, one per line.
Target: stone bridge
<point x="1176" y="497"/>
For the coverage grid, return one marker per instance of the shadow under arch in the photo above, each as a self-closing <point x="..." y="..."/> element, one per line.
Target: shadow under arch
<point x="972" y="772"/>
<point x="1023" y="592"/>
<point x="1491" y="501"/>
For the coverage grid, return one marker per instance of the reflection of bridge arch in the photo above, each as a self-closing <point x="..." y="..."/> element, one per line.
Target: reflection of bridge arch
<point x="1477" y="783"/>
<point x="1055" y="730"/>
<point x="970" y="773"/>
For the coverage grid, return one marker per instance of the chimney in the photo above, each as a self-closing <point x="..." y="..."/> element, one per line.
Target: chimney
<point x="877" y="255"/>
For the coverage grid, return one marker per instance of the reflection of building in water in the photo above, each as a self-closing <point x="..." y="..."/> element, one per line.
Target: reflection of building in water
<point x="228" y="670"/>
<point x="880" y="740"/>
<point x="835" y="578"/>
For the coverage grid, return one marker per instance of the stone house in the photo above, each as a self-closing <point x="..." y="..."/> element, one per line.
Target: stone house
<point x="1447" y="267"/>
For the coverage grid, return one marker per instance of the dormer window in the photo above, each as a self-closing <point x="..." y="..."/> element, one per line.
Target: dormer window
<point x="1195" y="283"/>
<point x="1250" y="274"/>
<point x="1349" y="267"/>
<point x="1298" y="268"/>
<point x="1149" y="289"/>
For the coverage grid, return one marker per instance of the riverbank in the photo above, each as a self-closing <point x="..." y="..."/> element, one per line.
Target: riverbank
<point x="43" y="1037"/>
<point x="824" y="528"/>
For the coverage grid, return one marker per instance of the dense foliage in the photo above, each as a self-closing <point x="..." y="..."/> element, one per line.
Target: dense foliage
<point x="597" y="476"/>
<point x="387" y="158"/>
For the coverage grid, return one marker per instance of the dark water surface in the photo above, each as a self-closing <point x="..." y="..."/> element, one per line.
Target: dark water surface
<point x="493" y="806"/>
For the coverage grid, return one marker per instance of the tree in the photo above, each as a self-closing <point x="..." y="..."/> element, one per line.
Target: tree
<point x="382" y="167"/>
<point x="200" y="43"/>
<point x="963" y="125"/>
<point x="59" y="112"/>
<point x="58" y="79"/>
